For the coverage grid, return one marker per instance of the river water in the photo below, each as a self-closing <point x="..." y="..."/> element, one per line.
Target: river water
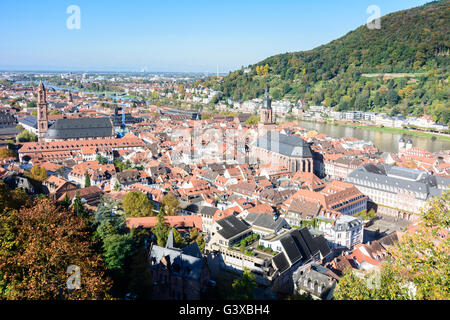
<point x="384" y="141"/>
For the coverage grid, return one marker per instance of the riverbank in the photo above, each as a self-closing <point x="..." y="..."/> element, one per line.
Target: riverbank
<point x="419" y="134"/>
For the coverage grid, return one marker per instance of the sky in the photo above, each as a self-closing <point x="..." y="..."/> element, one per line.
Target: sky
<point x="172" y="35"/>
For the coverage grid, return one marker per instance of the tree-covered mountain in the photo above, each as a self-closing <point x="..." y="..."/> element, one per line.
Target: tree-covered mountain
<point x="414" y="41"/>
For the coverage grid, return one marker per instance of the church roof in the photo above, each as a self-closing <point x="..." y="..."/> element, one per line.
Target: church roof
<point x="290" y="146"/>
<point x="78" y="128"/>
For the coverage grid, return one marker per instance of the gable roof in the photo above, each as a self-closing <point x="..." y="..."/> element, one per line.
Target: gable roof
<point x="76" y="128"/>
<point x="231" y="226"/>
<point x="290" y="146"/>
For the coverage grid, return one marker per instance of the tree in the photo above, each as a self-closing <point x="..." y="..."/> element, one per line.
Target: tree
<point x="418" y="263"/>
<point x="117" y="248"/>
<point x="179" y="240"/>
<point x="101" y="159"/>
<point x="161" y="230"/>
<point x="66" y="201"/>
<point x="78" y="206"/>
<point x="170" y="205"/>
<point x="87" y="179"/>
<point x="26" y="136"/>
<point x="137" y="204"/>
<point x="47" y="240"/>
<point x="123" y="250"/>
<point x="11" y="199"/>
<point x="140" y="279"/>
<point x="252" y="120"/>
<point x="38" y="173"/>
<point x="7" y="153"/>
<point x="195" y="235"/>
<point x="243" y="287"/>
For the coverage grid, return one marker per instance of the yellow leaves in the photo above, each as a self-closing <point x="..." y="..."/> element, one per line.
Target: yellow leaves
<point x="262" y="70"/>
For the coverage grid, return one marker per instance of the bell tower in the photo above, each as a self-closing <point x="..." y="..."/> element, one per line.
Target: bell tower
<point x="42" y="120"/>
<point x="266" y="109"/>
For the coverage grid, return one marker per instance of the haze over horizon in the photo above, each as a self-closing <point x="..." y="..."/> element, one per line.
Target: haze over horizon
<point x="174" y="36"/>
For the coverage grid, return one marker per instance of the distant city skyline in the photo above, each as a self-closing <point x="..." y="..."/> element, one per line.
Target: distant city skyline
<point x="174" y="36"/>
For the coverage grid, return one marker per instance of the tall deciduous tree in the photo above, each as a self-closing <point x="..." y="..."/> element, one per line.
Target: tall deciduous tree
<point x="47" y="240"/>
<point x="38" y="173"/>
<point x="170" y="205"/>
<point x="418" y="266"/>
<point x="136" y="204"/>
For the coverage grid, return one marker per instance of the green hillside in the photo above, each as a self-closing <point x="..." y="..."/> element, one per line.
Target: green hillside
<point x="347" y="73"/>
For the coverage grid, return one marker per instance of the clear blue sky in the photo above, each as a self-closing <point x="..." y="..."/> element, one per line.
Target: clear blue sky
<point x="169" y="35"/>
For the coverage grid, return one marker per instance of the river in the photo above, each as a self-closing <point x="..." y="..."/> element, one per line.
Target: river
<point x="384" y="141"/>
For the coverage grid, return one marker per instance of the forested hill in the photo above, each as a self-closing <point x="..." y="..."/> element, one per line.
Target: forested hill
<point x="343" y="73"/>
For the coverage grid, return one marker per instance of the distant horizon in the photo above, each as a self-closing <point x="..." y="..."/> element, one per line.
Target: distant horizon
<point x="106" y="72"/>
<point x="175" y="36"/>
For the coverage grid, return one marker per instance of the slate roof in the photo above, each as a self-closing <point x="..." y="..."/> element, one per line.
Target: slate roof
<point x="346" y="223"/>
<point x="78" y="128"/>
<point x="299" y="244"/>
<point x="291" y="248"/>
<point x="210" y="211"/>
<point x="266" y="221"/>
<point x="231" y="226"/>
<point x="404" y="178"/>
<point x="29" y="121"/>
<point x="281" y="262"/>
<point x="182" y="264"/>
<point x="290" y="146"/>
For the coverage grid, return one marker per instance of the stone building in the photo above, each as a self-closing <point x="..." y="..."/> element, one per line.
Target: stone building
<point x="42" y="120"/>
<point x="292" y="152"/>
<point x="178" y="274"/>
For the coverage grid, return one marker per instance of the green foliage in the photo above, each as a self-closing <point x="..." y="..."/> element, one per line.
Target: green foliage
<point x="137" y="204"/>
<point x="418" y="265"/>
<point x="117" y="248"/>
<point x="101" y="159"/>
<point x="179" y="240"/>
<point x="123" y="250"/>
<point x="195" y="235"/>
<point x="87" y="179"/>
<point x="38" y="173"/>
<point x="252" y="120"/>
<point x="26" y="136"/>
<point x="366" y="215"/>
<point x="161" y="230"/>
<point x="243" y="287"/>
<point x="122" y="165"/>
<point x="170" y="205"/>
<point x="78" y="207"/>
<point x="332" y="74"/>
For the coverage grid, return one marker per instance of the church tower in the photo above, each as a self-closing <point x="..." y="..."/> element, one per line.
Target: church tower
<point x="266" y="109"/>
<point x="69" y="98"/>
<point x="42" y="112"/>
